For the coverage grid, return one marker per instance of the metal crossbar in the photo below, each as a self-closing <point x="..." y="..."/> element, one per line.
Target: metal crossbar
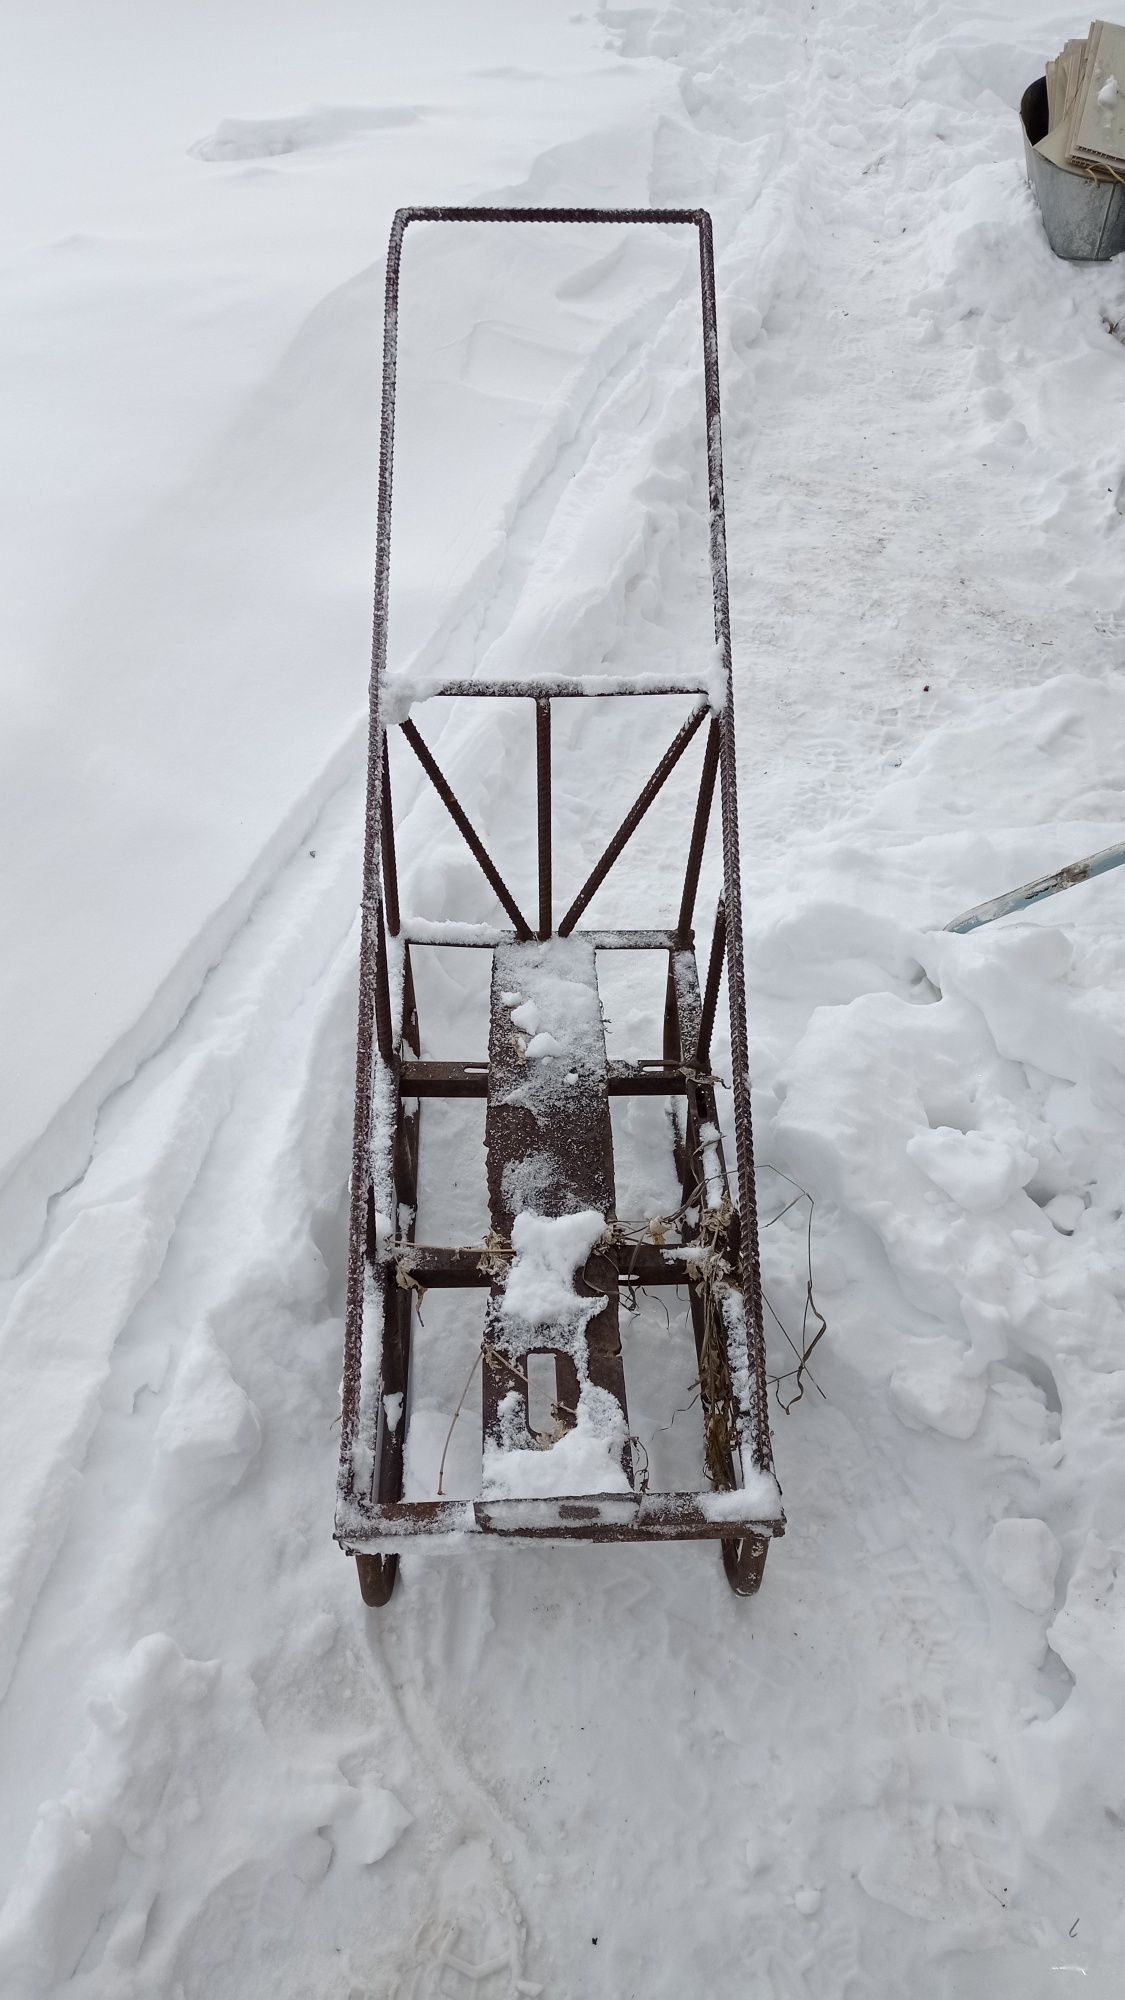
<point x="566" y="687"/>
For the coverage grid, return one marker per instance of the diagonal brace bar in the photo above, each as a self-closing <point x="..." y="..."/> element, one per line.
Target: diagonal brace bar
<point x="711" y="990"/>
<point x="464" y="827"/>
<point x="633" y="818"/>
<point x="699" y="833"/>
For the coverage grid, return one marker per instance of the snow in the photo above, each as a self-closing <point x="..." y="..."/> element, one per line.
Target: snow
<point x="585" y="1459"/>
<point x="211" y="1433"/>
<point x="807" y="1901"/>
<point x="976" y="1171"/>
<point x="1025" y="1556"/>
<point x="556" y="1012"/>
<point x="934" y="1387"/>
<point x="758" y="1495"/>
<point x="539" y="1290"/>
<point x="902" y="1762"/>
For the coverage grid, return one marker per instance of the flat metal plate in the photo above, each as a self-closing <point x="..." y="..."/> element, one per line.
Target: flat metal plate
<point x="549" y="1149"/>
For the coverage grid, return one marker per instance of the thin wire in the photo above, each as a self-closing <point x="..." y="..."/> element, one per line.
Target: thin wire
<point x="454" y="1417"/>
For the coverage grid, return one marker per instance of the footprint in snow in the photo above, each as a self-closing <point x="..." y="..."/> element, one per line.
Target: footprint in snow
<point x="472" y="1942"/>
<point x="210" y="1432"/>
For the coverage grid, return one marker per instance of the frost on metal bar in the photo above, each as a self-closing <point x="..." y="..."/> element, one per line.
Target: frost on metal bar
<point x="556" y="1255"/>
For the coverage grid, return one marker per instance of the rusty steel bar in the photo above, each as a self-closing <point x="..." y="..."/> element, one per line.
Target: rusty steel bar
<point x="750" y="1257"/>
<point x="445" y="1079"/>
<point x="711" y="990"/>
<point x="632" y="819"/>
<point x="460" y="1267"/>
<point x="465" y="828"/>
<point x="396" y="1307"/>
<point x="384" y="1023"/>
<point x="655" y="1078"/>
<point x="543" y="812"/>
<point x="372" y="944"/>
<point x="390" y="862"/>
<point x="699" y="832"/>
<point x="598" y="1517"/>
<point x="688" y="1005"/>
<point x="482" y="937"/>
<point x="451" y="212"/>
<point x="563" y="687"/>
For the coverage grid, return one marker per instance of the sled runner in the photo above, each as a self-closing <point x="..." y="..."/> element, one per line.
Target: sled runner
<point x="556" y="1257"/>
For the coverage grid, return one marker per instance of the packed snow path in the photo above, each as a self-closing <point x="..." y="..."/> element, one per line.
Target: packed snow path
<point x="593" y="1772"/>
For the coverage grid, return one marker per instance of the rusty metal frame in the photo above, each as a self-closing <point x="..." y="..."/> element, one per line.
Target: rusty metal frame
<point x="392" y="1080"/>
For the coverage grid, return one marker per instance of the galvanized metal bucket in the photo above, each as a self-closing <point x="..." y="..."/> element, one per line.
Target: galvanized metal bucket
<point x="1084" y="216"/>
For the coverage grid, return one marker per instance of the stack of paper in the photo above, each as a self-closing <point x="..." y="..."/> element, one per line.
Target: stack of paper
<point x="1086" y="103"/>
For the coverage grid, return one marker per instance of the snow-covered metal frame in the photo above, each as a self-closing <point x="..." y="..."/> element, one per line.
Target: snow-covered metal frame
<point x="717" y="1256"/>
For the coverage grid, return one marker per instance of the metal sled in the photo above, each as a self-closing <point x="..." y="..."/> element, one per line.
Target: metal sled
<point x="561" y="1129"/>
